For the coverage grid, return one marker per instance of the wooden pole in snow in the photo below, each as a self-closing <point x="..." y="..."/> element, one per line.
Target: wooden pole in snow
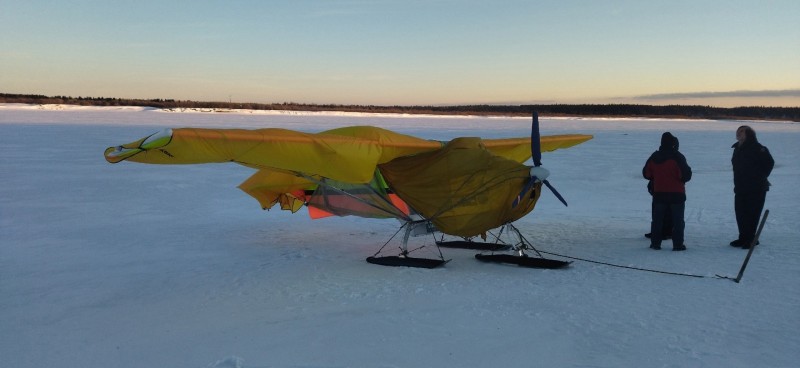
<point x="752" y="246"/>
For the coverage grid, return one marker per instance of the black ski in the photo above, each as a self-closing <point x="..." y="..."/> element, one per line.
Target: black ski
<point x="399" y="261"/>
<point x="522" y="261"/>
<point x="466" y="244"/>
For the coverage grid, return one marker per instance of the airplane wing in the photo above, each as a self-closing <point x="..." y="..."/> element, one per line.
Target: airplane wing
<point x="340" y="157"/>
<point x="290" y="164"/>
<point x="348" y="154"/>
<point x="519" y="149"/>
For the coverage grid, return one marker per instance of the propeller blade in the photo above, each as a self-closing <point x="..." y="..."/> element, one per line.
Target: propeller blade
<point x="536" y="155"/>
<point x="557" y="194"/>
<point x="536" y="145"/>
<point x="524" y="191"/>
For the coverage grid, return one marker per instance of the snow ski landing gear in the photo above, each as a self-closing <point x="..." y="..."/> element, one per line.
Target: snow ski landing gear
<point x="403" y="259"/>
<point x="467" y="243"/>
<point x="522" y="259"/>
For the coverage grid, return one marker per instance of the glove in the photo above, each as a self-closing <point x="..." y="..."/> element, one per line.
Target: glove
<point x="540" y="173"/>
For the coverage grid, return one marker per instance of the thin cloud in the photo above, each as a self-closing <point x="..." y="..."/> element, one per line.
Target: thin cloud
<point x="739" y="94"/>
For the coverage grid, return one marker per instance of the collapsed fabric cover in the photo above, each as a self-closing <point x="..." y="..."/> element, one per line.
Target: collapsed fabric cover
<point x="346" y="154"/>
<point x="285" y="159"/>
<point x="363" y="200"/>
<point x="466" y="187"/>
<point x="463" y="188"/>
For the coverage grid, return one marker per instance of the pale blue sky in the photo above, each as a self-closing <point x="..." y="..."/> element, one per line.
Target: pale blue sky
<point x="721" y="53"/>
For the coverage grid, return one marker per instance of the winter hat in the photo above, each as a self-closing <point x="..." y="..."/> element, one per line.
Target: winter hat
<point x="667" y="140"/>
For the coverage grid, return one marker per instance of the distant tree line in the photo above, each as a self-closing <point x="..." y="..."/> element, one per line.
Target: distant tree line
<point x="607" y="110"/>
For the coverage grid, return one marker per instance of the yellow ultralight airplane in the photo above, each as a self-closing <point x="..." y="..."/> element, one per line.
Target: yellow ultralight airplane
<point x="465" y="187"/>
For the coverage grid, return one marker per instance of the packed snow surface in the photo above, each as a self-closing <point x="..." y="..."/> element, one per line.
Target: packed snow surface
<point x="132" y="265"/>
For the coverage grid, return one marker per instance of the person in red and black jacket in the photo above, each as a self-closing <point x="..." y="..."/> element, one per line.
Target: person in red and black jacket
<point x="668" y="170"/>
<point x="667" y="228"/>
<point x="752" y="164"/>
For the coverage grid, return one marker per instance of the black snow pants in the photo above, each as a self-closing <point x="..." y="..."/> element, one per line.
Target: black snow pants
<point x="748" y="208"/>
<point x="676" y="210"/>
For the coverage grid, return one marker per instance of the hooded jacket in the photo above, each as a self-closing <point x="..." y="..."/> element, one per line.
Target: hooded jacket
<point x="752" y="164"/>
<point x="669" y="172"/>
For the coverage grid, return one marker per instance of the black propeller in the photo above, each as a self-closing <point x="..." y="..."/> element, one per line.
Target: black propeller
<point x="536" y="155"/>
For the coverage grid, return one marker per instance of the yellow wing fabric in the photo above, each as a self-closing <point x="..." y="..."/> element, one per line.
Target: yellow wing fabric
<point x="290" y="162"/>
<point x="269" y="186"/>
<point x="344" y="158"/>
<point x="519" y="149"/>
<point x="348" y="154"/>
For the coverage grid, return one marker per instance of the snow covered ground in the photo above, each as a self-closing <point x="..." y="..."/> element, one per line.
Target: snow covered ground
<point x="133" y="265"/>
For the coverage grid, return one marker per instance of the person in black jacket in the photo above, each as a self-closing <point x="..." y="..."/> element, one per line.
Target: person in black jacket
<point x="752" y="164"/>
<point x="668" y="170"/>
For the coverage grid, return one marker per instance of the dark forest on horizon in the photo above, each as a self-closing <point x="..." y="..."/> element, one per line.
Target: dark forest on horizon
<point x="582" y="110"/>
